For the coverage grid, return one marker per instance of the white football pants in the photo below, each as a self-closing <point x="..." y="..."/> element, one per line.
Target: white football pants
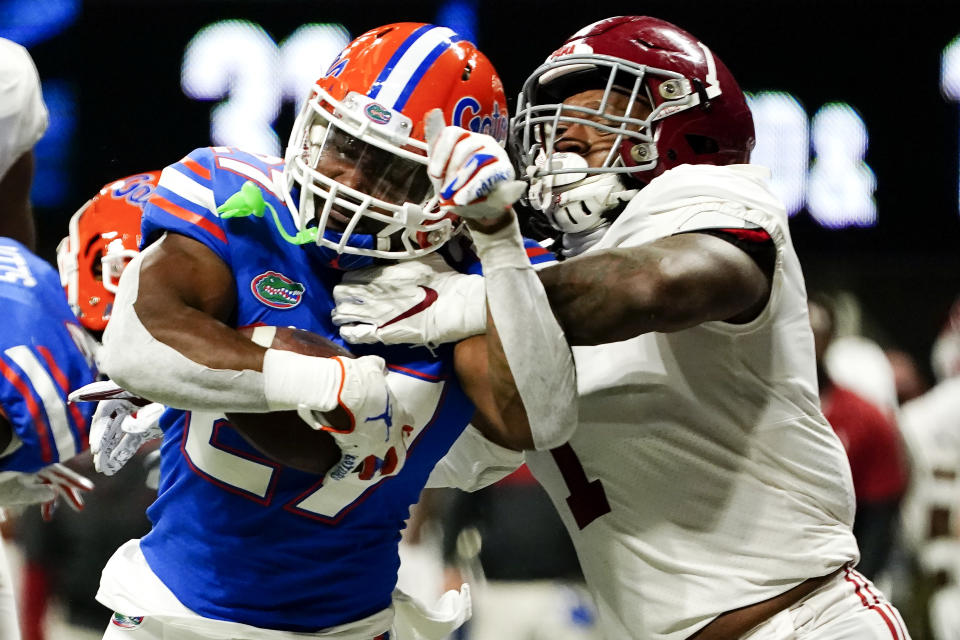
<point x="849" y="607"/>
<point x="147" y="628"/>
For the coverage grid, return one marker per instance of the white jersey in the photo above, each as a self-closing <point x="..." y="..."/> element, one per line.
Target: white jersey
<point x="703" y="476"/>
<point x="23" y="116"/>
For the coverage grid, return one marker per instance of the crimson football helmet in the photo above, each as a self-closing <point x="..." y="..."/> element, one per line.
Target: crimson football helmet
<point x="357" y="152"/>
<point x="698" y="113"/>
<point x="104" y="237"/>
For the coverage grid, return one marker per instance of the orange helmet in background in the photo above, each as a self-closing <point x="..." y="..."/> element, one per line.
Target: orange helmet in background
<point x="104" y="237"/>
<point x="369" y="109"/>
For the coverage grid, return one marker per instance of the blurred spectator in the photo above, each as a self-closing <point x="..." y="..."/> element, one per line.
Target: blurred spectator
<point x="874" y="449"/>
<point x="23" y="119"/>
<point x="533" y="586"/>
<point x="909" y="382"/>
<point x="853" y="361"/>
<point x="931" y="514"/>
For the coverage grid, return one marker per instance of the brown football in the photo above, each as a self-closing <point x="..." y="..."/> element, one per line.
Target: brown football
<point x="282" y="435"/>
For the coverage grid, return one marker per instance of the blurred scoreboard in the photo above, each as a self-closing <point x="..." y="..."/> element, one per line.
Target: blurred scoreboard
<point x="857" y="105"/>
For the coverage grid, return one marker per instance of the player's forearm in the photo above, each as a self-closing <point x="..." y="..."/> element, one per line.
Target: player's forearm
<point x="531" y="367"/>
<point x="201" y="338"/>
<point x="155" y="368"/>
<point x="605" y="297"/>
<point x="167" y="342"/>
<point x="671" y="285"/>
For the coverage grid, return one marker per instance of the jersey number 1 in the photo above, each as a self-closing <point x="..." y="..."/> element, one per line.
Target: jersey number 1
<point x="587" y="499"/>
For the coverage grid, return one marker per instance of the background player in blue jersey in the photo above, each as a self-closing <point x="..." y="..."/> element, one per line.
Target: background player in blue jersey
<point x="44" y="353"/>
<point x="49" y="349"/>
<point x="242" y="546"/>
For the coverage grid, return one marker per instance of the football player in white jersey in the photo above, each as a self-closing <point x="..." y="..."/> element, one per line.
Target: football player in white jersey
<point x="705" y="492"/>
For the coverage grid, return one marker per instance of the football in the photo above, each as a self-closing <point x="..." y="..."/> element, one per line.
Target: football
<point x="296" y="340"/>
<point x="282" y="435"/>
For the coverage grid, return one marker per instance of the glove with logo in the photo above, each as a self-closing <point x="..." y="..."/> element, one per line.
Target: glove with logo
<point x="373" y="436"/>
<point x="122" y="423"/>
<point x="470" y="172"/>
<point x="44" y="486"/>
<point x="421" y="302"/>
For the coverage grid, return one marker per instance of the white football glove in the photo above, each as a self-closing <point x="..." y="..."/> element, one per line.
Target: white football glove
<point x="44" y="487"/>
<point x="122" y="423"/>
<point x="375" y="440"/>
<point x="470" y="172"/>
<point x="422" y="302"/>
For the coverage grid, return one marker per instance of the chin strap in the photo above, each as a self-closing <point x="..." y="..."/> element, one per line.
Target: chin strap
<point x="576" y="202"/>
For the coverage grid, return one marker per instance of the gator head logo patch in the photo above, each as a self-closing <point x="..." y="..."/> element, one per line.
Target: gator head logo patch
<point x="125" y="622"/>
<point x="277" y="290"/>
<point x="378" y="113"/>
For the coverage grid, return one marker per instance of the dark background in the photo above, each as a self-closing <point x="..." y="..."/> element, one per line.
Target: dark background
<point x="120" y="62"/>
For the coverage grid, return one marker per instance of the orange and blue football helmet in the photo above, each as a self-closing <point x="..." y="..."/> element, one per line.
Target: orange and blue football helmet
<point x="356" y="162"/>
<point x="104" y="237"/>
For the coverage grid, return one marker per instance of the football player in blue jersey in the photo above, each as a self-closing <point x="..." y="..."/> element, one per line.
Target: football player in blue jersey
<point x="49" y="349"/>
<point x="243" y="546"/>
<point x="44" y="353"/>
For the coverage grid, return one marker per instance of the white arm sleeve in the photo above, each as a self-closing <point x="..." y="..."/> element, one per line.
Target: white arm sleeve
<point x="143" y="365"/>
<point x="23" y="116"/>
<point x="533" y="342"/>
<point x="473" y="462"/>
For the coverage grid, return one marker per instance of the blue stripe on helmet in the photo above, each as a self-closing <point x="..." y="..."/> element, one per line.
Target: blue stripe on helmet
<point x="422" y="69"/>
<point x="395" y="58"/>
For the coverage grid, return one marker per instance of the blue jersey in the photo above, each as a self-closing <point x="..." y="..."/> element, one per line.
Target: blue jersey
<point x="240" y="537"/>
<point x="45" y="355"/>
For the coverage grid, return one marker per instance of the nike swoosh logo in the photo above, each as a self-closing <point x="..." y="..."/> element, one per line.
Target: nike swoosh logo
<point x="428" y="300"/>
<point x="469" y="169"/>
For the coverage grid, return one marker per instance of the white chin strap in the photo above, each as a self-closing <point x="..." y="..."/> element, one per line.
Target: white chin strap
<point x="574" y="202"/>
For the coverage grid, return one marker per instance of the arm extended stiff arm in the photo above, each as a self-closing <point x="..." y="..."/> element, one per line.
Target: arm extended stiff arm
<point x="531" y="365"/>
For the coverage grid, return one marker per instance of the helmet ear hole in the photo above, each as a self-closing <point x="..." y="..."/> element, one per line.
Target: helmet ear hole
<point x="702" y="144"/>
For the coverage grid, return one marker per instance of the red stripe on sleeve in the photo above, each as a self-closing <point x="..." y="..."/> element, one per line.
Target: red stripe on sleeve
<point x="535" y="252"/>
<point x="39" y="421"/>
<point x="189" y="216"/>
<point x="521" y="476"/>
<point x="750" y="235"/>
<point x="196" y="167"/>
<point x="78" y="422"/>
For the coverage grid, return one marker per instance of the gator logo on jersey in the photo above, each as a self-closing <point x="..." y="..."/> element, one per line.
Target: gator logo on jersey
<point x="277" y="290"/>
<point x="378" y="113"/>
<point x="126" y="622"/>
